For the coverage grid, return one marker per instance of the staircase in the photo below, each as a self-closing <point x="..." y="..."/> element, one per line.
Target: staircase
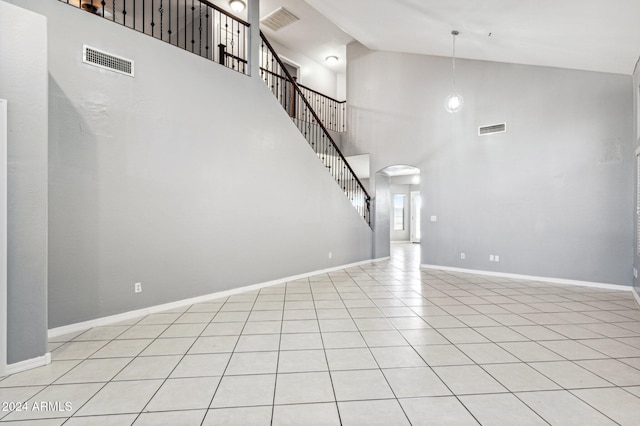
<point x="206" y="30"/>
<point x="293" y="100"/>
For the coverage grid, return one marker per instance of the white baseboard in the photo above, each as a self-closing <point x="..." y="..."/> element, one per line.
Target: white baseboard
<point x="28" y="364"/>
<point x="533" y="278"/>
<point x="98" y="322"/>
<point x="380" y="259"/>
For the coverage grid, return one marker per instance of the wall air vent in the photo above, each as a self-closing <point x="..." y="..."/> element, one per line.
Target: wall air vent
<point x="279" y="19"/>
<point x="108" y="61"/>
<point x="491" y="129"/>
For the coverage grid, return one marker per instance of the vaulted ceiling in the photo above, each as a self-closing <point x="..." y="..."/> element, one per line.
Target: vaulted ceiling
<point x="594" y="35"/>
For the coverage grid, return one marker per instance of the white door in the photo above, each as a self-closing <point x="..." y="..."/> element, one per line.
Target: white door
<point x="416" y="203"/>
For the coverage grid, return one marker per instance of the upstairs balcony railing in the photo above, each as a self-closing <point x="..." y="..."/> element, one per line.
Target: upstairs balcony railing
<point x="293" y="100"/>
<point x="193" y="25"/>
<point x="204" y="29"/>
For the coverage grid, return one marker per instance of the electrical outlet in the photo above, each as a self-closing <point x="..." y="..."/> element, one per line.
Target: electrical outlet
<point x="496" y="258"/>
<point x="463" y="256"/>
<point x="491" y="258"/>
<point x="137" y="287"/>
<point x="330" y="255"/>
<point x="635" y="273"/>
<point x="434" y="218"/>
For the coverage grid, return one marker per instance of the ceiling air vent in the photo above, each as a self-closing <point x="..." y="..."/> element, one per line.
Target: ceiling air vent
<point x="491" y="129"/>
<point x="98" y="58"/>
<point x="279" y="19"/>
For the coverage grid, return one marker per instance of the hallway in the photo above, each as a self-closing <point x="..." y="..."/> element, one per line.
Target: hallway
<point x="380" y="344"/>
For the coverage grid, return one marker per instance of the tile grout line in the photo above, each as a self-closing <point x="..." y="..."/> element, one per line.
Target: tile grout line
<point x="230" y="357"/>
<point x="275" y="384"/>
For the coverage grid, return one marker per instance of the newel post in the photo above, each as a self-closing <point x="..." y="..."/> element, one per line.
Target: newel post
<point x="253" y="13"/>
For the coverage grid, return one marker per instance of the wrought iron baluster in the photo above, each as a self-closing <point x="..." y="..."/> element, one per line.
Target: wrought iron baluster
<point x="153" y="13"/>
<point x="169" y="31"/>
<point x="193" y="36"/>
<point x="226" y="32"/>
<point x="207" y="36"/>
<point x="161" y="10"/>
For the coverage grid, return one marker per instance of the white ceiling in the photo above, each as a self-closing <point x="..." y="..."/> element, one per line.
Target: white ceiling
<point x="313" y="35"/>
<point x="594" y="35"/>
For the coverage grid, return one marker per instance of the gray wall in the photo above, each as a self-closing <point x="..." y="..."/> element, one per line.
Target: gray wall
<point x="636" y="135"/>
<point x="550" y="196"/>
<point x="188" y="178"/>
<point x="23" y="82"/>
<point x="381" y="202"/>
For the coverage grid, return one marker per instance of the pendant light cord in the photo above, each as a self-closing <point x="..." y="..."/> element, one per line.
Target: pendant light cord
<point x="453" y="59"/>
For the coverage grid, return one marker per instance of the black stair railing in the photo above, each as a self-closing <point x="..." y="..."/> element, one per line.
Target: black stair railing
<point x="332" y="112"/>
<point x="193" y="25"/>
<point x="292" y="99"/>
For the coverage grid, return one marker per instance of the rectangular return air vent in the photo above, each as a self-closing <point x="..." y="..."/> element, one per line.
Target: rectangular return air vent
<point x="108" y="61"/>
<point x="279" y="19"/>
<point x="491" y="129"/>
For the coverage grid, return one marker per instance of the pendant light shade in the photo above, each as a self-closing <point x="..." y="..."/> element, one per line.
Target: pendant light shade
<point x="454" y="101"/>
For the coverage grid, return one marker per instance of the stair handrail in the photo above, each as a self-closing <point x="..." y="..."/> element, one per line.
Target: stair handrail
<point x="315" y="116"/>
<point x="319" y="93"/>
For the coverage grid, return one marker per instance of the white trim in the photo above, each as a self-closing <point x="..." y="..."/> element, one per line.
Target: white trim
<point x="98" y="322"/>
<point x="379" y="259"/>
<point x="3" y="239"/>
<point x="534" y="278"/>
<point x="28" y="364"/>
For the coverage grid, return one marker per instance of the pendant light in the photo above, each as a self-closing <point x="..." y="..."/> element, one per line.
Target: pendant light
<point x="454" y="101"/>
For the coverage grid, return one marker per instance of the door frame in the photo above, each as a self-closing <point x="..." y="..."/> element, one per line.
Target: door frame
<point x="414" y="221"/>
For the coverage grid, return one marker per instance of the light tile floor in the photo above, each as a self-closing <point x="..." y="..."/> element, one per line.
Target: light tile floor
<point x="382" y="344"/>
